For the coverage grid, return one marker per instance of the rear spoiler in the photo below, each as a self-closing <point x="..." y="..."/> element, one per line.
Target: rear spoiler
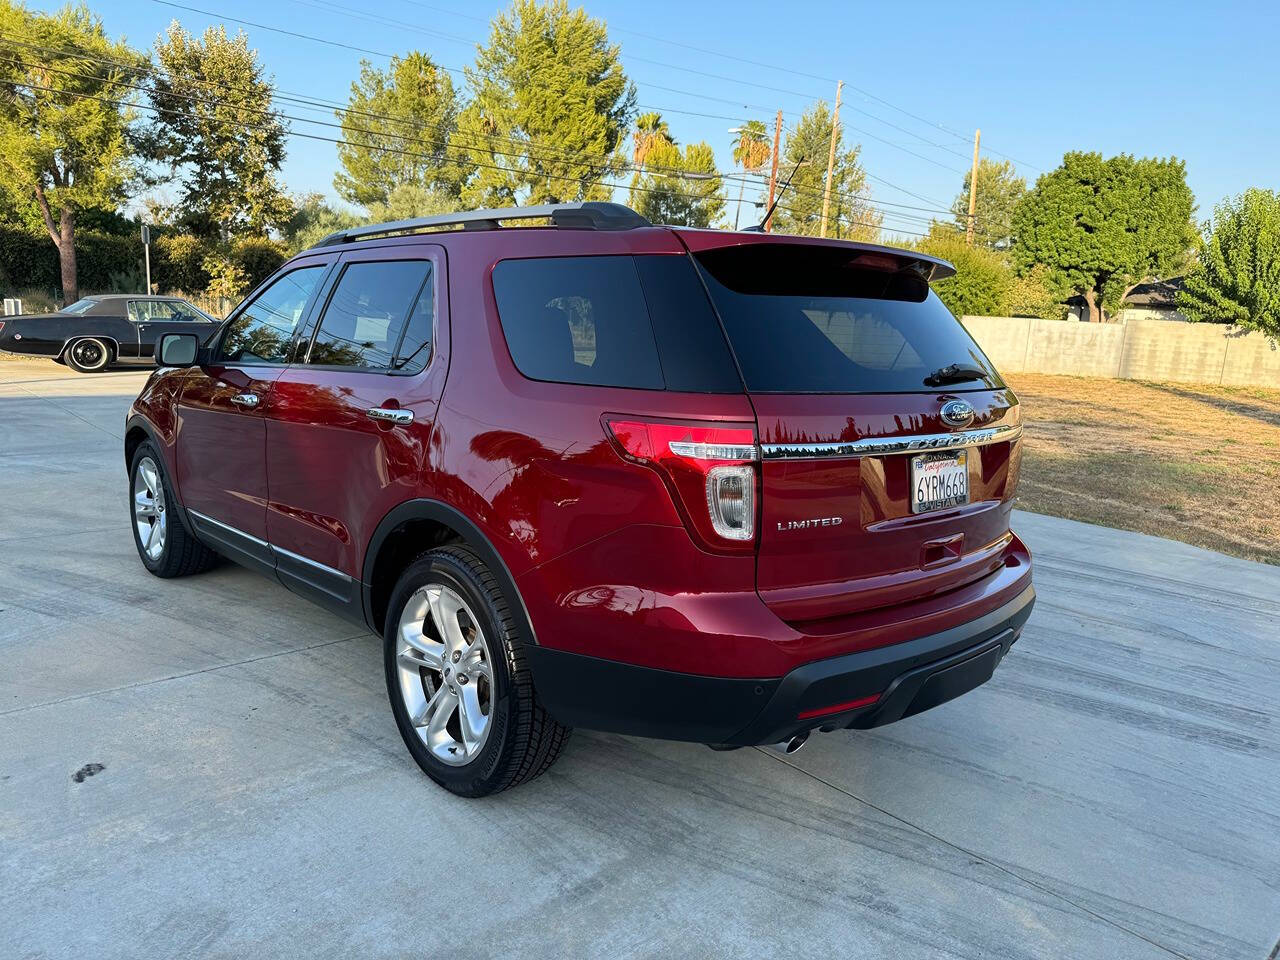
<point x="872" y="255"/>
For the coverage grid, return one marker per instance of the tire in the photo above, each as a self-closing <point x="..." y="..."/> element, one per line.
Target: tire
<point x="176" y="553"/>
<point x="87" y="355"/>
<point x="520" y="740"/>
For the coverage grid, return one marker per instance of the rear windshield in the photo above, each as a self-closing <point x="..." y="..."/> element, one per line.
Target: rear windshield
<point x="806" y="319"/>
<point x="613" y="321"/>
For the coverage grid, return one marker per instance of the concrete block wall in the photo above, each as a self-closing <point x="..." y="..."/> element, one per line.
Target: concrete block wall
<point x="1136" y="350"/>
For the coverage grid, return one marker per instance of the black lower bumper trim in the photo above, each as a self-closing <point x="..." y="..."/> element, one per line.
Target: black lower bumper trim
<point x="905" y="678"/>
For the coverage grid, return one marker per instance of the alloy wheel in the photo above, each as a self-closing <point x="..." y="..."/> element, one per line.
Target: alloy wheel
<point x="446" y="674"/>
<point x="149" y="508"/>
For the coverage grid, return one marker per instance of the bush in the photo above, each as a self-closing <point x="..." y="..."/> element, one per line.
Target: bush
<point x="257" y="258"/>
<point x="983" y="278"/>
<point x="177" y="262"/>
<point x="29" y="259"/>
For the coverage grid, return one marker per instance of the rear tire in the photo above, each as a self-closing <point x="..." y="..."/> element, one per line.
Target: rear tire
<point x="165" y="547"/>
<point x="454" y="655"/>
<point x="87" y="355"/>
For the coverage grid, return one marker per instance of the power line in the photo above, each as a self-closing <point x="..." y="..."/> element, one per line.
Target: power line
<point x="704" y="96"/>
<point x="525" y="153"/>
<point x="311" y="136"/>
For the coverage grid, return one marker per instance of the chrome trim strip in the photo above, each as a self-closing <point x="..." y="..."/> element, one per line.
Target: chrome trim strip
<point x="229" y="528"/>
<point x="311" y="563"/>
<point x="272" y="547"/>
<point x="875" y="446"/>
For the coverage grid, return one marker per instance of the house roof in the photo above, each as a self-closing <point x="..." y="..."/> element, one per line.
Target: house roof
<point x="1157" y="295"/>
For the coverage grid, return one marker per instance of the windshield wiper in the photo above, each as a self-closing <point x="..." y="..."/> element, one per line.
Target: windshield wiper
<point x="955" y="373"/>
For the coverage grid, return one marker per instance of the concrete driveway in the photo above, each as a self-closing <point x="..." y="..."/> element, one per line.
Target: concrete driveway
<point x="1113" y="792"/>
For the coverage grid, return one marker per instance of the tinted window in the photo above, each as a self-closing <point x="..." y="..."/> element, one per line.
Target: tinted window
<point x="80" y="306"/>
<point x="415" y="348"/>
<point x="691" y="345"/>
<point x="577" y="320"/>
<point x="263" y="330"/>
<point x="639" y="322"/>
<point x="805" y="319"/>
<point x="367" y="314"/>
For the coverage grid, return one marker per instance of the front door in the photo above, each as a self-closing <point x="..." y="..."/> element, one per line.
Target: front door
<point x="348" y="422"/>
<point x="152" y="319"/>
<point x="221" y="455"/>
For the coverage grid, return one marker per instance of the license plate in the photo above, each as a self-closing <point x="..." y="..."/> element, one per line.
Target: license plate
<point x="939" y="480"/>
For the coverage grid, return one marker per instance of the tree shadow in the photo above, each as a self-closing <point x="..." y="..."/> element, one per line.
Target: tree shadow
<point x="1244" y="408"/>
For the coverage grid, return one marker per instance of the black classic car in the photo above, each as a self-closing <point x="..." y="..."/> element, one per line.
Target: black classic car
<point x="95" y="332"/>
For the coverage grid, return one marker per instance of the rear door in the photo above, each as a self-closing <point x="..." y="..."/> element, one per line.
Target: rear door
<point x="221" y="443"/>
<point x="870" y="497"/>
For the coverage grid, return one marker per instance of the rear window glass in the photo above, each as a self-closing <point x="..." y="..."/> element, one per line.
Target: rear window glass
<point x="615" y="321"/>
<point x="368" y="312"/>
<point x="806" y="319"/>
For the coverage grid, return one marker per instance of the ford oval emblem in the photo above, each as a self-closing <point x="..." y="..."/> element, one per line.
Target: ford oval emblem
<point x="958" y="413"/>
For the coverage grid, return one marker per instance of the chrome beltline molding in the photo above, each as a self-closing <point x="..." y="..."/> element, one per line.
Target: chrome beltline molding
<point x="876" y="446"/>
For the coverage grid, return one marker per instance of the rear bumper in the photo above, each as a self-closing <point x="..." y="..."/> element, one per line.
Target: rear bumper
<point x="864" y="689"/>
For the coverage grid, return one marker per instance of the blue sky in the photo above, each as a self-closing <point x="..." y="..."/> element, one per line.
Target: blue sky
<point x="1198" y="81"/>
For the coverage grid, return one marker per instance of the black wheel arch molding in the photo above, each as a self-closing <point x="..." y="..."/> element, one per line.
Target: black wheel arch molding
<point x="136" y="421"/>
<point x="439" y="512"/>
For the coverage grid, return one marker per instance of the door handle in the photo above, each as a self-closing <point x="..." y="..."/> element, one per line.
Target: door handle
<point x="392" y="415"/>
<point x="249" y="400"/>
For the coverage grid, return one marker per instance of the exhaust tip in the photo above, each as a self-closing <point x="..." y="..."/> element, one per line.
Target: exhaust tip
<point x="792" y="745"/>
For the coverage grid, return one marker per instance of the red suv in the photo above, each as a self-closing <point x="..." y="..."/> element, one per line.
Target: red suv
<point x="690" y="484"/>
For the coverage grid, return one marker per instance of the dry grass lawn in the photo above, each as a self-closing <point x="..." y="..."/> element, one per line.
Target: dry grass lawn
<point x="1190" y="462"/>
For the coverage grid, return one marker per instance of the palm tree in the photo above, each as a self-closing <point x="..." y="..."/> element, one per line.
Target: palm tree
<point x="751" y="152"/>
<point x="651" y="130"/>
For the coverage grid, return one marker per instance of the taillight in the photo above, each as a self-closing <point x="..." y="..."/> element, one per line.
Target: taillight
<point x="709" y="466"/>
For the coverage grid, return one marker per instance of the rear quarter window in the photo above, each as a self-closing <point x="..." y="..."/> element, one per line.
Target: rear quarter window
<point x="614" y="321"/>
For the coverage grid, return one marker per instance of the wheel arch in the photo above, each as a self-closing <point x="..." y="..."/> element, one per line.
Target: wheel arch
<point x="418" y="525"/>
<point x="139" y="430"/>
<point x="113" y="345"/>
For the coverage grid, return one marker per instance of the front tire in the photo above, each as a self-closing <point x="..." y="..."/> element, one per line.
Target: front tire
<point x="460" y="688"/>
<point x="165" y="547"/>
<point x="88" y="355"/>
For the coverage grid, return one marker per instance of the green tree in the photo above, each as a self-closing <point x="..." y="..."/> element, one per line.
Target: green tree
<point x="983" y="280"/>
<point x="396" y="129"/>
<point x="64" y="133"/>
<point x="679" y="188"/>
<point x="312" y="220"/>
<point x="1103" y="226"/>
<point x="550" y="87"/>
<point x="216" y="129"/>
<point x="800" y="209"/>
<point x="1238" y="275"/>
<point x="1031" y="295"/>
<point x="651" y="131"/>
<point x="999" y="190"/>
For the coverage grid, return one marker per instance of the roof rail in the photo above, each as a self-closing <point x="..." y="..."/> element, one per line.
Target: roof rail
<point x="583" y="216"/>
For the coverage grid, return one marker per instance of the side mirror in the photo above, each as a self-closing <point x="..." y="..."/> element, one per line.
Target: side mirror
<point x="178" y="350"/>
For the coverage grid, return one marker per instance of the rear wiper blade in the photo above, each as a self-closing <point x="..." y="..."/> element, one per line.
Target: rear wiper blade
<point x="955" y="373"/>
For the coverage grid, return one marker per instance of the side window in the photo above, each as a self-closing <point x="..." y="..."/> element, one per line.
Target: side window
<point x="373" y="306"/>
<point x="184" y="311"/>
<point x="415" y="348"/>
<point x="578" y="320"/>
<point x="263" y="330"/>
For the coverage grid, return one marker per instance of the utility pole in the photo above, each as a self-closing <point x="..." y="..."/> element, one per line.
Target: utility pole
<point x="973" y="188"/>
<point x="831" y="161"/>
<point x="146" y="252"/>
<point x="773" y="173"/>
